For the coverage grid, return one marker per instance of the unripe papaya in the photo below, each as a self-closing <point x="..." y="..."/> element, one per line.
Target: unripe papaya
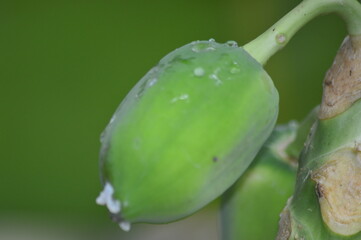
<point x="185" y="133"/>
<point x="250" y="208"/>
<point x="256" y="200"/>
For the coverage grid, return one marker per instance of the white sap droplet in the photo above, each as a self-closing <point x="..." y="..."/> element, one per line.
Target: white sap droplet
<point x="101" y="199"/>
<point x="181" y="97"/>
<point x="199" y="72"/>
<point x="114" y="206"/>
<point x="211" y="40"/>
<point x="106" y="198"/>
<point x="104" y="195"/>
<point x="125" y="226"/>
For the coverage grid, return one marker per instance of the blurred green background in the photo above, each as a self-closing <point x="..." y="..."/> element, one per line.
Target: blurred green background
<point x="66" y="65"/>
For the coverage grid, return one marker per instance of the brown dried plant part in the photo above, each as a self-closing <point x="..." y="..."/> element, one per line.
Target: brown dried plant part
<point x="342" y="84"/>
<point x="338" y="187"/>
<point x="285" y="226"/>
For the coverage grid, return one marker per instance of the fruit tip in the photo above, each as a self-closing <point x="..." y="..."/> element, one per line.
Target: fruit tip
<point x="106" y="198"/>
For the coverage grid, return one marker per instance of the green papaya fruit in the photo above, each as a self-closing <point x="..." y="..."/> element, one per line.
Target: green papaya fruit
<point x="185" y="133"/>
<point x="250" y="209"/>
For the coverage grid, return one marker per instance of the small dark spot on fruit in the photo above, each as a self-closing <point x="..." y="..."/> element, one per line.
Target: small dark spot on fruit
<point x="350" y="72"/>
<point x="215" y="159"/>
<point x="273" y="29"/>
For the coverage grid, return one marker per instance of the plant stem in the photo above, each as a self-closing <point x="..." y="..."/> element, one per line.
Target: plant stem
<point x="277" y="36"/>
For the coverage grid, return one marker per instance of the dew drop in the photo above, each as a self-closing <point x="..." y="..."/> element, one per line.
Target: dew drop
<point x="181" y="97"/>
<point x="216" y="79"/>
<point x="199" y="72"/>
<point x="152" y="82"/>
<point x="102" y="136"/>
<point x="232" y="43"/>
<point x="197" y="48"/>
<point x="235" y="70"/>
<point x="203" y="47"/>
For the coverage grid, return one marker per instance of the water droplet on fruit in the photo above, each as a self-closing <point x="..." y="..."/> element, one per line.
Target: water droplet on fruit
<point x="180" y="98"/>
<point x="141" y="90"/>
<point x="102" y="137"/>
<point x="198" y="47"/>
<point x="199" y="72"/>
<point x="152" y="82"/>
<point x="235" y="70"/>
<point x="232" y="43"/>
<point x="216" y="79"/>
<point x="203" y="47"/>
<point x="212" y="40"/>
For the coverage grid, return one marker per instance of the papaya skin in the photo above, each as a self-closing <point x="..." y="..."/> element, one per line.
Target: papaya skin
<point x="187" y="131"/>
<point x="259" y="195"/>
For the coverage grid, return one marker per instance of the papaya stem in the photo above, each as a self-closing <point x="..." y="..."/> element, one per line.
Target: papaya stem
<point x="277" y="36"/>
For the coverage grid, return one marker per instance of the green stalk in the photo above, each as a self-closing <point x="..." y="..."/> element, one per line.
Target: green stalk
<point x="250" y="208"/>
<point x="327" y="200"/>
<point x="294" y="148"/>
<point x="277" y="36"/>
<point x="328" y="173"/>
